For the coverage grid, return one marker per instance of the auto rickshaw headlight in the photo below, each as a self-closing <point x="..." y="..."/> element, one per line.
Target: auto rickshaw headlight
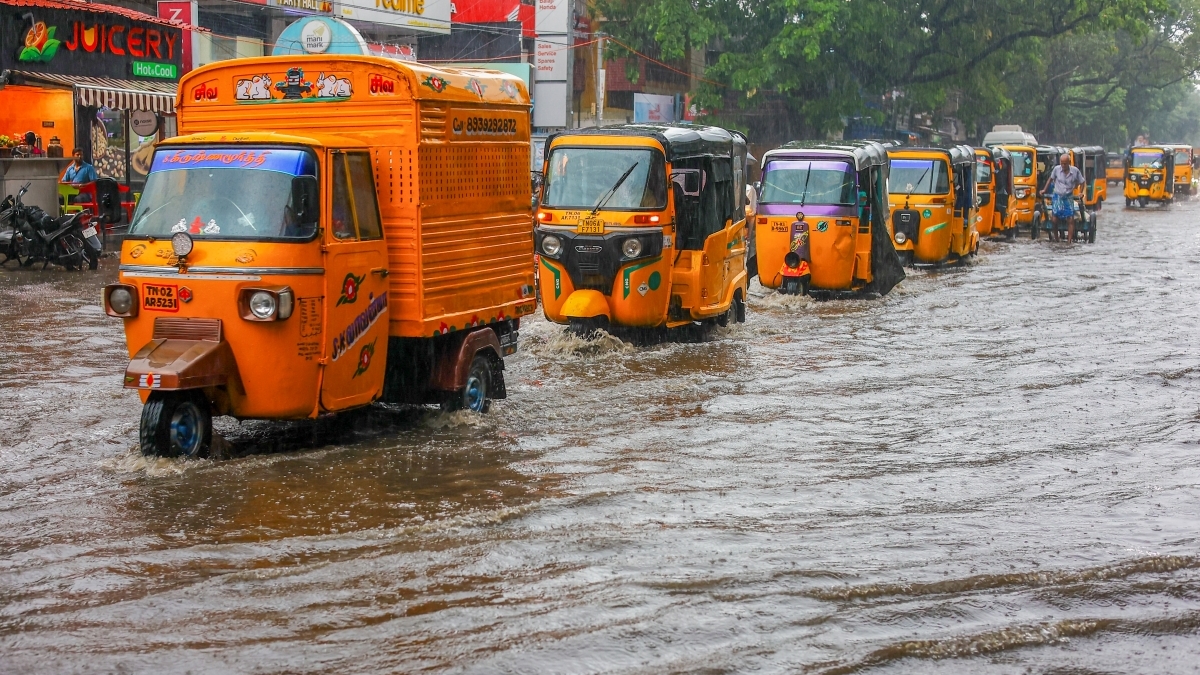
<point x="1156" y="177"/>
<point x="1022" y="193"/>
<point x="266" y="304"/>
<point x="632" y="247"/>
<point x="901" y="237"/>
<point x="120" y="300"/>
<point x="551" y="245"/>
<point x="263" y="305"/>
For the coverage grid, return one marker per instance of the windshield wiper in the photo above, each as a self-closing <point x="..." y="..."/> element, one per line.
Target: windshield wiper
<point x="613" y="190"/>
<point x="804" y="192"/>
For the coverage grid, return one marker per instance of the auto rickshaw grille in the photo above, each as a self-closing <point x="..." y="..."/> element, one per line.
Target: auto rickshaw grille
<point x="181" y="328"/>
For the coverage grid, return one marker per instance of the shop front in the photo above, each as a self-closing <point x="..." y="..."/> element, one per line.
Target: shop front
<point x="81" y="75"/>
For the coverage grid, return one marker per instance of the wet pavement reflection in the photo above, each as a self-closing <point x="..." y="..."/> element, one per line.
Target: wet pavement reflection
<point x="994" y="469"/>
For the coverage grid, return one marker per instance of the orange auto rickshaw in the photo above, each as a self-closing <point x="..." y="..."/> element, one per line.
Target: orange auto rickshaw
<point x="934" y="204"/>
<point x="1025" y="187"/>
<point x="643" y="226"/>
<point x="822" y="219"/>
<point x="326" y="232"/>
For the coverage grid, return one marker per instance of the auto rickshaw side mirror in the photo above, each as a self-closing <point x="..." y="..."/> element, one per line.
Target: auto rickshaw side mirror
<point x="306" y="200"/>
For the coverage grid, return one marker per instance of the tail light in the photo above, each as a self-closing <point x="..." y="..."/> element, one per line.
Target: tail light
<point x="646" y="220"/>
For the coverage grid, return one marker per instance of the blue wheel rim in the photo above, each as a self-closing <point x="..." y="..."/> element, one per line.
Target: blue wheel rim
<point x="185" y="432"/>
<point x="475" y="395"/>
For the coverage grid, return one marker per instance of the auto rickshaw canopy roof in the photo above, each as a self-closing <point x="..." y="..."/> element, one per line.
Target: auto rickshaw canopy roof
<point x="1089" y="150"/>
<point x="863" y="154"/>
<point x="957" y="154"/>
<point x="678" y="140"/>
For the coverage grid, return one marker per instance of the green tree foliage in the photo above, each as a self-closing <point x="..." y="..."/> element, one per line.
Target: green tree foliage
<point x="801" y="67"/>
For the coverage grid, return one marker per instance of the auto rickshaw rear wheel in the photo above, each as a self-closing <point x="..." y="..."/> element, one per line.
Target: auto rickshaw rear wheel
<point x="176" y="424"/>
<point x="474" y="394"/>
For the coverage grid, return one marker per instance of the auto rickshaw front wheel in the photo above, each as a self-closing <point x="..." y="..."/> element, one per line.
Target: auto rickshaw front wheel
<point x="1143" y="201"/>
<point x="474" y="394"/>
<point x="176" y="424"/>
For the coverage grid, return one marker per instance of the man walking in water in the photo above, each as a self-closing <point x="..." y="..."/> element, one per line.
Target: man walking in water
<point x="1064" y="178"/>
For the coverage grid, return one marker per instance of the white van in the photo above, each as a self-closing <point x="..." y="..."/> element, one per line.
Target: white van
<point x="1008" y="134"/>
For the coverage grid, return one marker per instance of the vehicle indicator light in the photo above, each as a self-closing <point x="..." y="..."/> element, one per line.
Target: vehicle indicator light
<point x="545" y="216"/>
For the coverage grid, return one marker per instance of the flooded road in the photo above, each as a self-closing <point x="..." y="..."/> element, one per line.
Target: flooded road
<point x="993" y="469"/>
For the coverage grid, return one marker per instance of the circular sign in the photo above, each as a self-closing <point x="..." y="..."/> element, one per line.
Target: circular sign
<point x="315" y="36"/>
<point x="143" y="122"/>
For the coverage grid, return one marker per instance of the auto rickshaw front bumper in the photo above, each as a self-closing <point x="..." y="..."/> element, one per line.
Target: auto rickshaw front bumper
<point x="175" y="365"/>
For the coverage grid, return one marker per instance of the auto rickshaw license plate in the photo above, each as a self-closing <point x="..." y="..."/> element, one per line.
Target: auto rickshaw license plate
<point x="590" y="225"/>
<point x="160" y="297"/>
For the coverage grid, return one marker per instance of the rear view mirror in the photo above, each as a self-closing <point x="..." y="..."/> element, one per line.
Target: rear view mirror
<point x="306" y="201"/>
<point x="691" y="181"/>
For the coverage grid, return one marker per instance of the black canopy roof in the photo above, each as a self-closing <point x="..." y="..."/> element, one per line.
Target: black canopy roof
<point x="678" y="140"/>
<point x="863" y="153"/>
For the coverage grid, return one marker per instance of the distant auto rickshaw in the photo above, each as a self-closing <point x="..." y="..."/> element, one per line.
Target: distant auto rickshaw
<point x="1025" y="187"/>
<point x="993" y="178"/>
<point x="1004" y="194"/>
<point x="1185" y="162"/>
<point x="643" y="226"/>
<point x="1115" y="170"/>
<point x="1149" y="172"/>
<point x="822" y="219"/>
<point x="1091" y="161"/>
<point x="934" y="204"/>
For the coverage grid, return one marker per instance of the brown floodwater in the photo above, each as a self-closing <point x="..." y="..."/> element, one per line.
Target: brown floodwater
<point x="994" y="469"/>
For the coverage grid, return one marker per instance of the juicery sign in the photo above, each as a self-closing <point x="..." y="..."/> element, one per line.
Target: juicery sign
<point x="95" y="44"/>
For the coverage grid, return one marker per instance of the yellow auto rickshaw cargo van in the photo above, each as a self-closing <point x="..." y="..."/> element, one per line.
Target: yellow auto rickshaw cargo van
<point x="1149" y="175"/>
<point x="325" y="232"/>
<point x="822" y="219"/>
<point x="1025" y="187"/>
<point x="643" y="226"/>
<point x="934" y="204"/>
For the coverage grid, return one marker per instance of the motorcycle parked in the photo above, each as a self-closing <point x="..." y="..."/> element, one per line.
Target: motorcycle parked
<point x="32" y="235"/>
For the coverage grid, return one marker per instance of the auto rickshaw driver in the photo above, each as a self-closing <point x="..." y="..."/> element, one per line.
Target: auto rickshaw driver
<point x="1061" y="184"/>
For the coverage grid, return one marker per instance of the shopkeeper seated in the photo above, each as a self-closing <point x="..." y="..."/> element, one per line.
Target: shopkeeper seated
<point x="79" y="171"/>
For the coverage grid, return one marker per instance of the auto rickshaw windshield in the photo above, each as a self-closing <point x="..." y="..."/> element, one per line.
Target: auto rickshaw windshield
<point x="223" y="194"/>
<point x="1153" y="160"/>
<point x="919" y="176"/>
<point x="983" y="172"/>
<point x="580" y="178"/>
<point x="1182" y="157"/>
<point x="829" y="183"/>
<point x="1022" y="163"/>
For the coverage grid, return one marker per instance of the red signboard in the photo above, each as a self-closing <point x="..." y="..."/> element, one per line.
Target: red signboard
<point x="495" y="11"/>
<point x="181" y="11"/>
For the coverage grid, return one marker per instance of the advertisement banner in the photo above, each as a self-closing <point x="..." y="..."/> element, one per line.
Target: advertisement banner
<point x="653" y="108"/>
<point x="93" y="44"/>
<point x="553" y="16"/>
<point x="429" y="16"/>
<point x="186" y="12"/>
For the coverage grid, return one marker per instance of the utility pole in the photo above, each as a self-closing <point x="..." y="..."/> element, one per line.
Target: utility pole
<point x="599" y="79"/>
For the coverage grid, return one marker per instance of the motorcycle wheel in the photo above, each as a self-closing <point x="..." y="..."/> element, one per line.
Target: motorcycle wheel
<point x="71" y="255"/>
<point x="1035" y="228"/>
<point x="176" y="424"/>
